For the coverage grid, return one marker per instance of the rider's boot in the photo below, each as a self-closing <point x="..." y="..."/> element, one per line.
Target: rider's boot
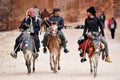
<point x="36" y="55"/>
<point x="66" y="50"/>
<point x="44" y="50"/>
<point x="14" y="54"/>
<point x="107" y="59"/>
<point x="83" y="60"/>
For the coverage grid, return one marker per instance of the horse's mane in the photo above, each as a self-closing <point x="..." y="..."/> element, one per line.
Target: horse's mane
<point x="26" y="36"/>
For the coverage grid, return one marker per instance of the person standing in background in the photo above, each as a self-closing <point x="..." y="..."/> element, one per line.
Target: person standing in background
<point x="112" y="25"/>
<point x="37" y="11"/>
<point x="45" y="15"/>
<point x="102" y="18"/>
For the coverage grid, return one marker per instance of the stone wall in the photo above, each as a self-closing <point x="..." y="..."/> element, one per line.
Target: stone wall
<point x="5" y="9"/>
<point x="116" y="8"/>
<point x="72" y="10"/>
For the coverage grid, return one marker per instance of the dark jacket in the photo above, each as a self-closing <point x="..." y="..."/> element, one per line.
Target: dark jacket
<point x="115" y="23"/>
<point x="111" y="21"/>
<point x="36" y="24"/>
<point x="102" y="18"/>
<point x="59" y="20"/>
<point x="93" y="25"/>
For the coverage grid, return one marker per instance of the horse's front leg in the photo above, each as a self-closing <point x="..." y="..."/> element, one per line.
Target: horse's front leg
<point x="95" y="66"/>
<point x="51" y="61"/>
<point x="33" y="64"/>
<point x="55" y="61"/>
<point x="59" y="61"/>
<point x="90" y="61"/>
<point x="28" y="62"/>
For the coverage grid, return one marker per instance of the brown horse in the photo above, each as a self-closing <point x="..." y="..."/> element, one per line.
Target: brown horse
<point x="54" y="46"/>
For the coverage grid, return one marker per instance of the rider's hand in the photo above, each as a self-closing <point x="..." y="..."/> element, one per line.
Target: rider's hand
<point x="31" y="31"/>
<point x="27" y="25"/>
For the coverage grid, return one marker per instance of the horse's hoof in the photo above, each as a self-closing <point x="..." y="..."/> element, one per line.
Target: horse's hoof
<point x="51" y="68"/>
<point x="54" y="71"/>
<point x="58" y="68"/>
<point x="13" y="54"/>
<point x="95" y="75"/>
<point x="91" y="71"/>
<point x="33" y="70"/>
<point x="29" y="71"/>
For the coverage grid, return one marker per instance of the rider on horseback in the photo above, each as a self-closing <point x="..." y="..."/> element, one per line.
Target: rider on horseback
<point x="92" y="24"/>
<point x="32" y="23"/>
<point x="56" y="18"/>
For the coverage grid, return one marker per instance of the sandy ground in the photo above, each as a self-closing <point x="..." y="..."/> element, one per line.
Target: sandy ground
<point x="71" y="68"/>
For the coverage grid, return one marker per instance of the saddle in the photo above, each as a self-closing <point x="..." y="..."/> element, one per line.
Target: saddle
<point x="88" y="47"/>
<point x="24" y="45"/>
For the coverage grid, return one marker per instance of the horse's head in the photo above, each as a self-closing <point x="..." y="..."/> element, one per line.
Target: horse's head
<point x="54" y="29"/>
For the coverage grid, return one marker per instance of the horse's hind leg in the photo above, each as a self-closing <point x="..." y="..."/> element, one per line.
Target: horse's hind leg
<point x="95" y="67"/>
<point x="33" y="64"/>
<point x="28" y="64"/>
<point x="55" y="60"/>
<point x="91" y="70"/>
<point x="59" y="61"/>
<point x="103" y="55"/>
<point x="29" y="71"/>
<point x="51" y="62"/>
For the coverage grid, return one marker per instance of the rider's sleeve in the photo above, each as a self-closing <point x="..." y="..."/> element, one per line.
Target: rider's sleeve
<point x="22" y="25"/>
<point x="115" y="24"/>
<point x="100" y="25"/>
<point x="37" y="27"/>
<point x="61" y="24"/>
<point x="86" y="27"/>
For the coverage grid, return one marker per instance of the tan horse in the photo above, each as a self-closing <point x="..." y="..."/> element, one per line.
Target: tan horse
<point x="54" y="46"/>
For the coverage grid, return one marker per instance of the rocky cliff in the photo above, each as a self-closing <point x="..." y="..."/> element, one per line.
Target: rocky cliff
<point x="13" y="11"/>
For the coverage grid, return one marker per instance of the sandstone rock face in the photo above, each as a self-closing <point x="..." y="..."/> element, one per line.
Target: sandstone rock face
<point x="72" y="10"/>
<point x="5" y="9"/>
